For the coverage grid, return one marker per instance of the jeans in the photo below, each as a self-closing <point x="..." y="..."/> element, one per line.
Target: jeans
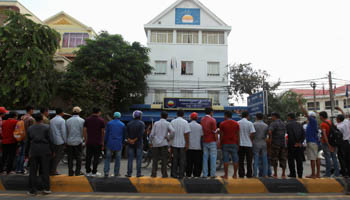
<point x="328" y="156"/>
<point x="209" y="150"/>
<point x="59" y="154"/>
<point x="257" y="158"/>
<point x="118" y="156"/>
<point x="131" y="155"/>
<point x="20" y="158"/>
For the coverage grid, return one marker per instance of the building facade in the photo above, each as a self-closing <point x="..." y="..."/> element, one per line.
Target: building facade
<point x="189" y="53"/>
<point x="16" y="6"/>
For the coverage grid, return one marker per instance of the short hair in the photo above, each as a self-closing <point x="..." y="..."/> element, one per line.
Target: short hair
<point x="38" y="117"/>
<point x="291" y="115"/>
<point x="59" y="111"/>
<point x="208" y="110"/>
<point x="245" y="114"/>
<point x="180" y="113"/>
<point x="275" y="114"/>
<point x="42" y="110"/>
<point x="259" y="116"/>
<point x="164" y="115"/>
<point x="96" y="110"/>
<point x="12" y="114"/>
<point x="29" y="108"/>
<point x="228" y="114"/>
<point x="324" y="114"/>
<point x="340" y="118"/>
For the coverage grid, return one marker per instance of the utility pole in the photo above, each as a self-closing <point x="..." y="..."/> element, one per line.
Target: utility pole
<point x="313" y="85"/>
<point x="331" y="95"/>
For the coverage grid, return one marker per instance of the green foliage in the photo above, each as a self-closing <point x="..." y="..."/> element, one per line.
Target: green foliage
<point x="27" y="74"/>
<point x="109" y="73"/>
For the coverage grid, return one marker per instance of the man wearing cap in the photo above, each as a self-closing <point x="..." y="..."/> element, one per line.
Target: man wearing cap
<point x="75" y="131"/>
<point x="194" y="154"/>
<point x="135" y="131"/>
<point x="114" y="137"/>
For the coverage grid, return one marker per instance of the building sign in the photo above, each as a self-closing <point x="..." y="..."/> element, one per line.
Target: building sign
<point x="256" y="103"/>
<point x="186" y="103"/>
<point x="188" y="16"/>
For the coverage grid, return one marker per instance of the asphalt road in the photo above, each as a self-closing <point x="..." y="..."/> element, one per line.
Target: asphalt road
<point x="111" y="196"/>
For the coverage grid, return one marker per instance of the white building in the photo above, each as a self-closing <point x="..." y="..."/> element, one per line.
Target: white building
<point x="188" y="46"/>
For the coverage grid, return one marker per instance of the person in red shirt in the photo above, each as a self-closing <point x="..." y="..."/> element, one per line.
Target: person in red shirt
<point x="229" y="136"/>
<point x="210" y="142"/>
<point x="9" y="143"/>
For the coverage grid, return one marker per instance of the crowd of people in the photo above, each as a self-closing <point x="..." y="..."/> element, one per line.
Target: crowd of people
<point x="40" y="144"/>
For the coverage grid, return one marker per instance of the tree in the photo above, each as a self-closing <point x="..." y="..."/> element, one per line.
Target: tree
<point x="27" y="74"/>
<point x="284" y="103"/>
<point x="107" y="72"/>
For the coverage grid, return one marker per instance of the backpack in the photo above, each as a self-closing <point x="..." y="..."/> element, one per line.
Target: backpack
<point x="335" y="137"/>
<point x="20" y="133"/>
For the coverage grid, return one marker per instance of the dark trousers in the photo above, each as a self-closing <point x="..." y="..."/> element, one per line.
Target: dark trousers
<point x="74" y="153"/>
<point x="92" y="151"/>
<point x="160" y="153"/>
<point x="345" y="149"/>
<point x="8" y="156"/>
<point x="245" y="153"/>
<point x="343" y="169"/>
<point x="56" y="159"/>
<point x="194" y="163"/>
<point x="295" y="154"/>
<point x="179" y="162"/>
<point x="37" y="163"/>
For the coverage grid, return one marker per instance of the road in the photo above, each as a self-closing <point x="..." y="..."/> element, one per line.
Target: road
<point x="112" y="196"/>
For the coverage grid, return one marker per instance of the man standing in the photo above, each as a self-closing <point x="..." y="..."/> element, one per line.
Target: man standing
<point x="296" y="137"/>
<point x="180" y="145"/>
<point x="229" y="136"/>
<point x="135" y="130"/>
<point x="58" y="131"/>
<point x="94" y="131"/>
<point x="159" y="137"/>
<point x="39" y="151"/>
<point x="3" y="112"/>
<point x="344" y="127"/>
<point x="329" y="151"/>
<point x="9" y="143"/>
<point x="259" y="145"/>
<point x="75" y="131"/>
<point x="210" y="143"/>
<point x="246" y="146"/>
<point x="194" y="154"/>
<point x="114" y="137"/>
<point x="45" y="113"/>
<point x="277" y="133"/>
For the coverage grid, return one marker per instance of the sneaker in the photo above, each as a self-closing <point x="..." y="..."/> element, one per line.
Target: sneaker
<point x="47" y="192"/>
<point x="89" y="174"/>
<point x="31" y="193"/>
<point x="98" y="174"/>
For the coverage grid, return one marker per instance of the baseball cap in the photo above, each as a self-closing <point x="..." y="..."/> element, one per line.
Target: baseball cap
<point x="76" y="109"/>
<point x="312" y="114"/>
<point x="117" y="115"/>
<point x="136" y="114"/>
<point x="3" y="110"/>
<point x="194" y="116"/>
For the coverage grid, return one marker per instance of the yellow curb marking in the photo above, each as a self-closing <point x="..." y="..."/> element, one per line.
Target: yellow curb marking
<point x="157" y="185"/>
<point x="244" y="186"/>
<point x="323" y="185"/>
<point x="70" y="184"/>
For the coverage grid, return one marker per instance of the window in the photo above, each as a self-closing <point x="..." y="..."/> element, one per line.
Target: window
<point x="213" y="38"/>
<point x="162" y="37"/>
<point x="187" y="93"/>
<point x="214" y="95"/>
<point x="73" y="40"/>
<point x="346" y="103"/>
<point x="160" y="68"/>
<point x="310" y="105"/>
<point x="213" y="69"/>
<point x="329" y="105"/>
<point x="186" y="68"/>
<point x="189" y="37"/>
<point x="159" y="96"/>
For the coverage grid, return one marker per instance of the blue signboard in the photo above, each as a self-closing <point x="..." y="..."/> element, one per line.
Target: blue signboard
<point x="187" y="103"/>
<point x="256" y="103"/>
<point x="188" y="16"/>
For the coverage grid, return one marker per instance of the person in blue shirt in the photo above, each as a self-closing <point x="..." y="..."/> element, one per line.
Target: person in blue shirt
<point x="114" y="137"/>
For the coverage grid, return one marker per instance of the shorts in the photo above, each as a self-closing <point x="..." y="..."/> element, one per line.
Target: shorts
<point x="312" y="151"/>
<point x="279" y="153"/>
<point x="230" y="150"/>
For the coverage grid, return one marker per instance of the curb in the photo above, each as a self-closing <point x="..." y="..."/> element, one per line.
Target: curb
<point x="84" y="184"/>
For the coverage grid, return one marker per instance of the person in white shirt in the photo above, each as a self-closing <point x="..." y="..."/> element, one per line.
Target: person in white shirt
<point x="194" y="154"/>
<point x="160" y="134"/>
<point x="180" y="145"/>
<point x="246" y="146"/>
<point x="344" y="127"/>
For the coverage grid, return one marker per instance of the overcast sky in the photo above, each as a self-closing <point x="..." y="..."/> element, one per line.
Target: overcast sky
<point x="290" y="39"/>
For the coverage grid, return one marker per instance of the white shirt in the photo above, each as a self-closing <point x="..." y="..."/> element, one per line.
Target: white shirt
<point x="161" y="131"/>
<point x="195" y="136"/>
<point x="245" y="129"/>
<point x="58" y="130"/>
<point x="181" y="127"/>
<point x="344" y="127"/>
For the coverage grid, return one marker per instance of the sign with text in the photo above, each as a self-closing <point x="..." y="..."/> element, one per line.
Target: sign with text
<point x="186" y="103"/>
<point x="256" y="103"/>
<point x="187" y="16"/>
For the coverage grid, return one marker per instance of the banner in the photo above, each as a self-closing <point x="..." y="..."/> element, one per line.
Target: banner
<point x="187" y="103"/>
